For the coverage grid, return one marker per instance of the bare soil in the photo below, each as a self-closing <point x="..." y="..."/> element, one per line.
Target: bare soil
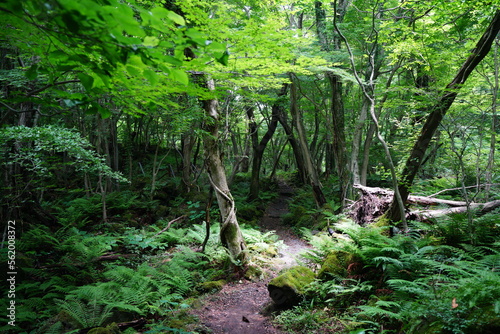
<point x="244" y="307"/>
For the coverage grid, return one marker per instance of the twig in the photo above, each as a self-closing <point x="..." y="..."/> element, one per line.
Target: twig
<point x="170" y="223"/>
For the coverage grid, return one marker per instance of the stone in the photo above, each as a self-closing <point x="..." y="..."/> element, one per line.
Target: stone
<point x="287" y="289"/>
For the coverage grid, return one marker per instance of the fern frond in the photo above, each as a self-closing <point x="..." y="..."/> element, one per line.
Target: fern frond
<point x="411" y="287"/>
<point x="384" y="260"/>
<point x="88" y="314"/>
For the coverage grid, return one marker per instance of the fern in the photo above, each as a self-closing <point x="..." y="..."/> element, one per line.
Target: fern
<point x="381" y="309"/>
<point x="56" y="328"/>
<point x="86" y="314"/>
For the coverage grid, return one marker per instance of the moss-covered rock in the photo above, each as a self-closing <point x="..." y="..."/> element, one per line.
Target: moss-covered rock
<point x="337" y="264"/>
<point x="109" y="329"/>
<point x="211" y="286"/>
<point x="287" y="289"/>
<point x="264" y="249"/>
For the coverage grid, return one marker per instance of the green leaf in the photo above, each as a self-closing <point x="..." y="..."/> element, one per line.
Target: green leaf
<point x="151" y="41"/>
<point x="179" y="76"/>
<point x="86" y="80"/>
<point x="176" y="18"/>
<point x="70" y="22"/>
<point x="224" y="59"/>
<point x="216" y="47"/>
<point x="133" y="71"/>
<point x="172" y="60"/>
<point x="105" y="113"/>
<point x="196" y="37"/>
<point x="151" y="76"/>
<point x="32" y="72"/>
<point x="14" y="6"/>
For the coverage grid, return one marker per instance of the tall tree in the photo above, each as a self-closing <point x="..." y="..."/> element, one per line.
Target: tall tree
<point x="230" y="232"/>
<point x="436" y="114"/>
<point x="311" y="173"/>
<point x="338" y="145"/>
<point x="260" y="146"/>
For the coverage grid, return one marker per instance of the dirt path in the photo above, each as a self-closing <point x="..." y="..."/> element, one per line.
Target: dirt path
<point x="239" y="308"/>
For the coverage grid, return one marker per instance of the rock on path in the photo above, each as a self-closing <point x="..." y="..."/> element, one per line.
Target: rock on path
<point x="239" y="307"/>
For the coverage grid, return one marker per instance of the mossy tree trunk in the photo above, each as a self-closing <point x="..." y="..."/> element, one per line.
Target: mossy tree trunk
<point x="230" y="232"/>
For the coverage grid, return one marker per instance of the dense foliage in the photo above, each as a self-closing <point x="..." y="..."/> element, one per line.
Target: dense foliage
<point x="116" y="115"/>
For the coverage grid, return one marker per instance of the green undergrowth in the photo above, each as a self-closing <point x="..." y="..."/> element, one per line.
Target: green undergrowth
<point x="303" y="212"/>
<point x="136" y="265"/>
<point x="438" y="278"/>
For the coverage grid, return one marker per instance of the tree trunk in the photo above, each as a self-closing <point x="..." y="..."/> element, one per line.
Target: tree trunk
<point x="297" y="153"/>
<point x="437" y="112"/>
<point x="311" y="172"/>
<point x="188" y="141"/>
<point x="490" y="168"/>
<point x="338" y="144"/>
<point x="259" y="147"/>
<point x="230" y="232"/>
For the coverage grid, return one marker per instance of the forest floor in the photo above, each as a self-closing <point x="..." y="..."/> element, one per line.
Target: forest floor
<point x="244" y="307"/>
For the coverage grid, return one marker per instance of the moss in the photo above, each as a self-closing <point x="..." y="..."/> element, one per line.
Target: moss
<point x="297" y="277"/>
<point x="109" y="329"/>
<point x="382" y="221"/>
<point x="264" y="249"/>
<point x="336" y="264"/>
<point x="253" y="273"/>
<point x="212" y="285"/>
<point x="288" y="288"/>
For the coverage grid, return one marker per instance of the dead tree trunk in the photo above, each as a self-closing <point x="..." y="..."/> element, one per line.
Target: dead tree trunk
<point x="374" y="200"/>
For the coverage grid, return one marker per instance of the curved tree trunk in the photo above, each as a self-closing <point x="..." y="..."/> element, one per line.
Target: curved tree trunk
<point x="297" y="153"/>
<point x="230" y="232"/>
<point x="437" y="112"/>
<point x="259" y="147"/>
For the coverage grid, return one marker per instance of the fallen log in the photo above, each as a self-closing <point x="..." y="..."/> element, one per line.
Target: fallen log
<point x="422" y="200"/>
<point x="374" y="201"/>
<point x="482" y="209"/>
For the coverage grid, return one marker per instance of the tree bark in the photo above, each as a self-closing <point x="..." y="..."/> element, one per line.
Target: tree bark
<point x="230" y="232"/>
<point x="259" y="147"/>
<point x="338" y="144"/>
<point x="494" y="124"/>
<point x="311" y="172"/>
<point x="188" y="141"/>
<point x="297" y="153"/>
<point x="437" y="112"/>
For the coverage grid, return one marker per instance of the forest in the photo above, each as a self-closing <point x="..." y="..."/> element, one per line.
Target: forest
<point x="332" y="164"/>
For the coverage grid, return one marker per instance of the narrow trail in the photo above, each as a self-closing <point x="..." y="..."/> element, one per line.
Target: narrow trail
<point x="240" y="307"/>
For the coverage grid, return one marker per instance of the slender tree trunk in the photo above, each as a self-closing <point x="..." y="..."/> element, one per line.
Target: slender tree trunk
<point x="188" y="141"/>
<point x="297" y="152"/>
<point x="230" y="233"/>
<point x="356" y="143"/>
<point x="311" y="172"/>
<point x="338" y="144"/>
<point x="438" y="111"/>
<point x="490" y="167"/>
<point x="371" y="129"/>
<point x="259" y="147"/>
